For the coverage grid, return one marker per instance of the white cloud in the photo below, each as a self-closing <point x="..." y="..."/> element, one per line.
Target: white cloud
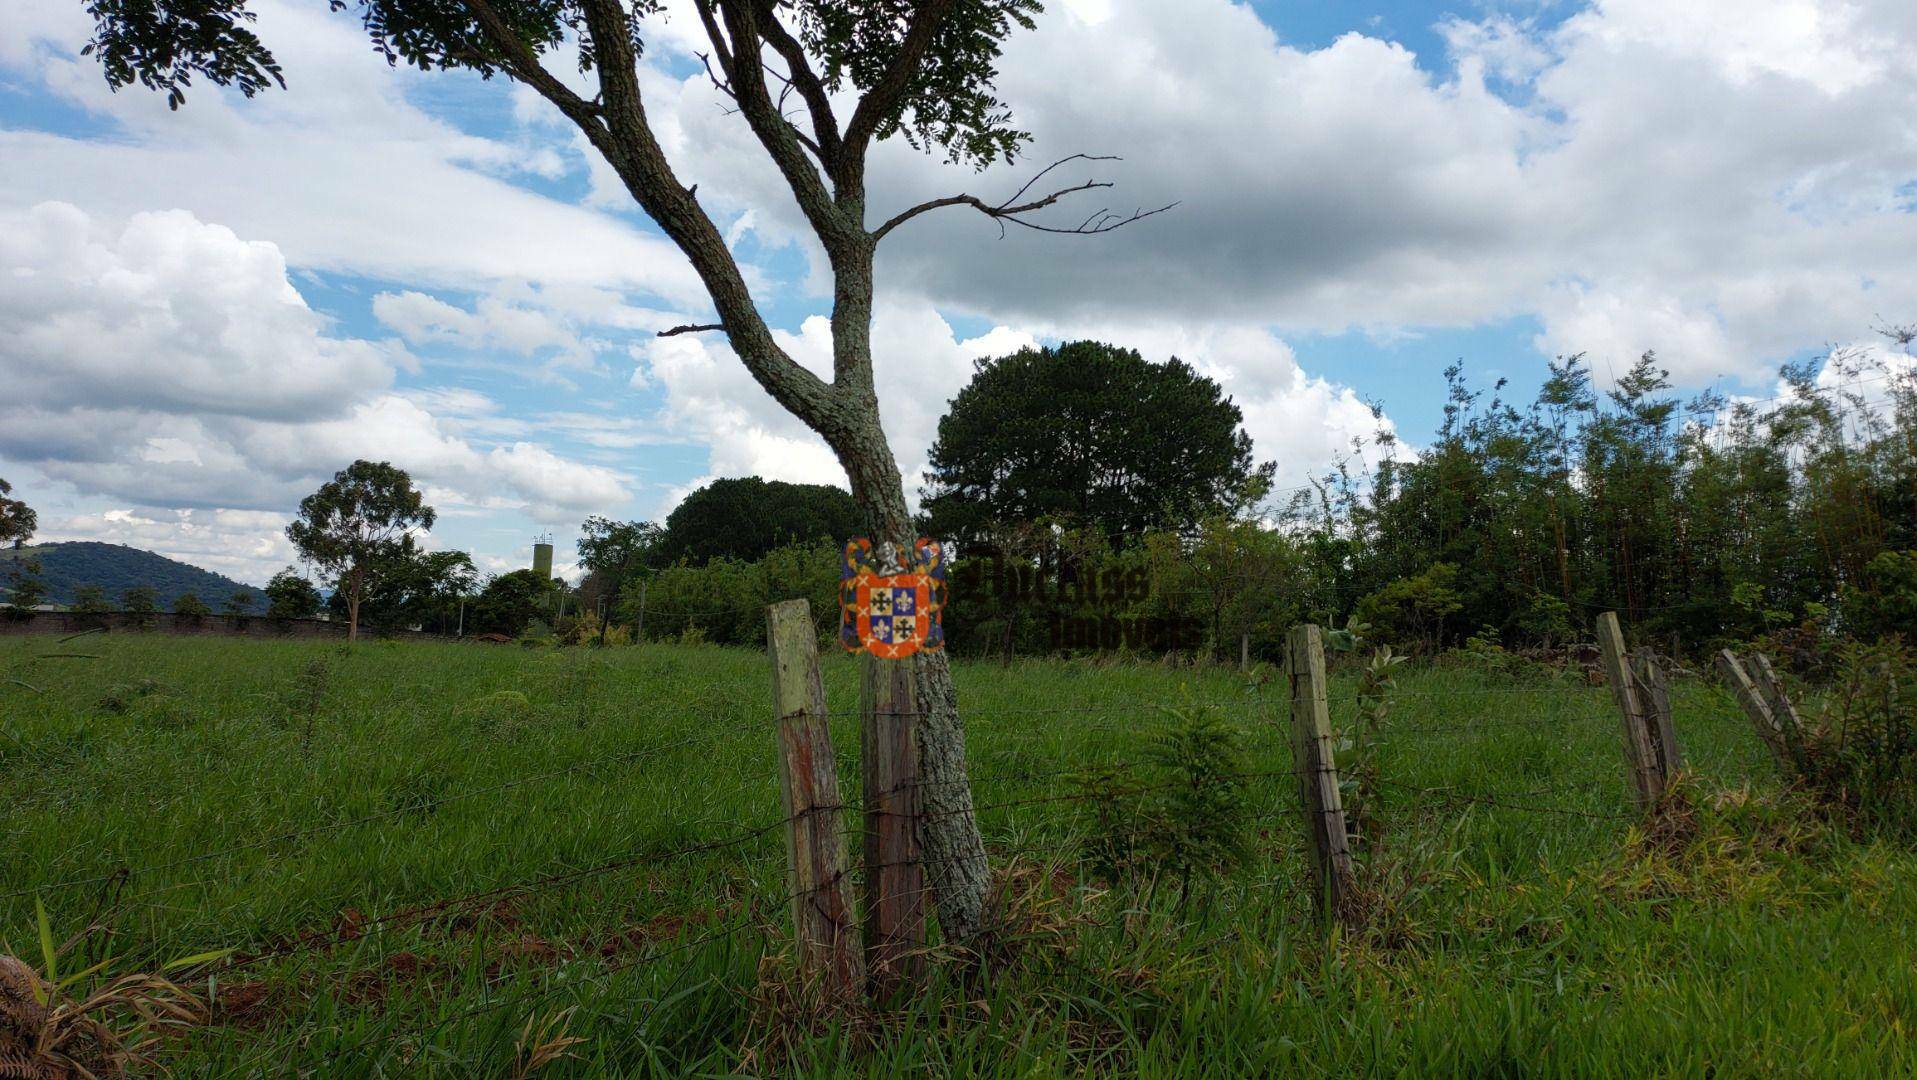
<point x="168" y="315"/>
<point x="172" y="364"/>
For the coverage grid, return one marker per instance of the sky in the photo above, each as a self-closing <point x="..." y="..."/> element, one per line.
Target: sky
<point x="205" y="313"/>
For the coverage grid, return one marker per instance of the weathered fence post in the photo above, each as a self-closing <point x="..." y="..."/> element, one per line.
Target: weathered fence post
<point x="1656" y="701"/>
<point x="895" y="892"/>
<point x="1317" y="768"/>
<point x="1763" y="701"/>
<point x="1783" y="713"/>
<point x="1754" y="704"/>
<point x="1640" y="747"/>
<point x="822" y="916"/>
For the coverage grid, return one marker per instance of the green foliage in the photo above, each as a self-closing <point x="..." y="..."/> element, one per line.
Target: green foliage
<point x="359" y="527"/>
<point x="949" y="101"/>
<point x="1181" y="810"/>
<point x="17" y="519"/>
<point x="190" y="607"/>
<point x="509" y="602"/>
<point x="1860" y="751"/>
<point x="1702" y="523"/>
<point x="747" y="517"/>
<point x="1092" y="435"/>
<point x="91" y="604"/>
<point x="1412" y="610"/>
<point x="945" y="100"/>
<point x="238" y="604"/>
<point x="1357" y="752"/>
<point x="290" y="596"/>
<point x="25" y="588"/>
<point x="140" y="604"/>
<point x="724" y="601"/>
<point x="610" y="553"/>
<point x="1886" y="603"/>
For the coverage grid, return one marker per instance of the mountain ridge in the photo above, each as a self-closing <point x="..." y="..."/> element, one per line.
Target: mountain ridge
<point x="68" y="565"/>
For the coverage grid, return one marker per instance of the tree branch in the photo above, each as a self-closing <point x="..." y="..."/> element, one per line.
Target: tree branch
<point x="691" y="328"/>
<point x="825" y="126"/>
<point x="886" y="96"/>
<point x="744" y="66"/>
<point x="1100" y="221"/>
<point x="523" y="64"/>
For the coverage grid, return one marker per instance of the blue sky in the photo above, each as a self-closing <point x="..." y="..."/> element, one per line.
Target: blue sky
<point x="206" y="312"/>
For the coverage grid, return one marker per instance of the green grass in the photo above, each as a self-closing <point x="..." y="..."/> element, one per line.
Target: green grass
<point x="1537" y="937"/>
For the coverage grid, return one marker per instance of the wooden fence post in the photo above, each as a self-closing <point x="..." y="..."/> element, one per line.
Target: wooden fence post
<point x="895" y="891"/>
<point x="1640" y="748"/>
<point x="1313" y="758"/>
<point x="1655" y="697"/>
<point x="822" y="916"/>
<point x="1754" y="704"/>
<point x="1783" y="713"/>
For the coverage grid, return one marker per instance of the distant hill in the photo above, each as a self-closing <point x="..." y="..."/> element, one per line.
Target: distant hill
<point x="116" y="568"/>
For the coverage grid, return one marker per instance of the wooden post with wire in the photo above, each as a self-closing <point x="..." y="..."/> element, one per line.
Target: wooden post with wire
<point x="1317" y="768"/>
<point x="895" y="890"/>
<point x="1654" y="694"/>
<point x="822" y="916"/>
<point x="1640" y="745"/>
<point x="1763" y="701"/>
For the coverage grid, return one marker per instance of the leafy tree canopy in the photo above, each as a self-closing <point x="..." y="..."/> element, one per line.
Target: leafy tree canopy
<point x="510" y="601"/>
<point x="17" y="519"/>
<point x="747" y="517"/>
<point x="359" y="524"/>
<point x="946" y="100"/>
<point x="1093" y="434"/>
<point x="290" y="596"/>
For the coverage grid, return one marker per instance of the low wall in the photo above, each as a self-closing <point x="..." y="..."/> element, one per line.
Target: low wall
<point x="67" y="622"/>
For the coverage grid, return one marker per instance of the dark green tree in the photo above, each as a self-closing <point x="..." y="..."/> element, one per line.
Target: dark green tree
<point x="290" y="596"/>
<point x="140" y="603"/>
<point x="17" y="519"/>
<point x="1091" y="434"/>
<point x="817" y="82"/>
<point x="610" y="554"/>
<point x="747" y="517"/>
<point x="413" y="588"/>
<point x="190" y="609"/>
<point x="90" y="603"/>
<point x="510" y="601"/>
<point x="238" y="604"/>
<point x="357" y="523"/>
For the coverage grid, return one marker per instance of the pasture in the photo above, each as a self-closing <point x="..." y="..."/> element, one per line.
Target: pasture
<point x="449" y="860"/>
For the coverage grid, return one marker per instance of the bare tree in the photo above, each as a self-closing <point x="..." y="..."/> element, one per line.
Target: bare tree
<point x="818" y="82"/>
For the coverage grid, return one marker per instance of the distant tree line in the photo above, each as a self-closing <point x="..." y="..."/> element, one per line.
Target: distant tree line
<point x="1701" y="521"/>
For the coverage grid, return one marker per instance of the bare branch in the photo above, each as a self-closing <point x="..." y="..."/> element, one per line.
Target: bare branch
<point x="691" y="328"/>
<point x="825" y="126"/>
<point x="1100" y="221"/>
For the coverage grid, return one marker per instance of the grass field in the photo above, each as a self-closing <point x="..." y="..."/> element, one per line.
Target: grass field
<point x="290" y="797"/>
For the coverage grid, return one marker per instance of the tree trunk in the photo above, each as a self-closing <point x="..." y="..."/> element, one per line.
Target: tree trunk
<point x="356" y="578"/>
<point x="948" y="828"/>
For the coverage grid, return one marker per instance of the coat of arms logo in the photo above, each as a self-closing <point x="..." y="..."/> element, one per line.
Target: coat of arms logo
<point x="886" y="607"/>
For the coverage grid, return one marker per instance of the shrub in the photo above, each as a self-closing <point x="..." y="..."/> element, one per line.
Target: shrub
<point x="1411" y="610"/>
<point x="1860" y="752"/>
<point x="1180" y="811"/>
<point x="26" y="590"/>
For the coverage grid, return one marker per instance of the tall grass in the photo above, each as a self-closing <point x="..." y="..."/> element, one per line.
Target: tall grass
<point x="1521" y="924"/>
